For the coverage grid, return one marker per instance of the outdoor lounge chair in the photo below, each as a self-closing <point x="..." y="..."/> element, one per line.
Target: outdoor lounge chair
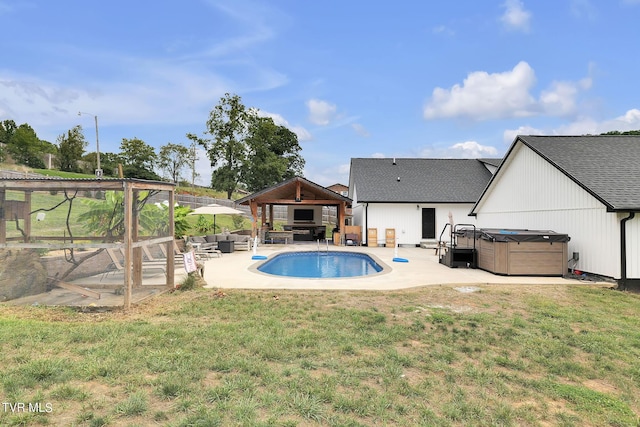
<point x="116" y="265"/>
<point x="177" y="253"/>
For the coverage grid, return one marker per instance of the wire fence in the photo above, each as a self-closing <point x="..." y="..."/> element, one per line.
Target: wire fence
<point x="329" y="213"/>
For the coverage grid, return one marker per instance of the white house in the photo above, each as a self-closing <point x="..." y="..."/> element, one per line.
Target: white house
<point x="585" y="186"/>
<point x="415" y="197"/>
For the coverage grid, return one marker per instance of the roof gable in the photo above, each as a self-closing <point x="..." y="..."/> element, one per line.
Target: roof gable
<point x="418" y="180"/>
<point x="607" y="166"/>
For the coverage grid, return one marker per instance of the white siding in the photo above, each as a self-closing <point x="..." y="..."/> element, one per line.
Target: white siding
<point x="406" y="219"/>
<point x="633" y="247"/>
<point x="530" y="193"/>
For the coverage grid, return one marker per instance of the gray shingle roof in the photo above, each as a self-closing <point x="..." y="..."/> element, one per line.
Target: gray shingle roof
<point x="607" y="166"/>
<point x="421" y="180"/>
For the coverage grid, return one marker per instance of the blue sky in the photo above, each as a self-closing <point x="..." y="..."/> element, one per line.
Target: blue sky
<point x="354" y="78"/>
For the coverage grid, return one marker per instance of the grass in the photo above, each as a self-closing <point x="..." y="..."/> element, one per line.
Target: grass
<point x="503" y="356"/>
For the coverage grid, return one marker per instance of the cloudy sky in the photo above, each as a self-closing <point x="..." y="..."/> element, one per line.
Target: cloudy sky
<point x="350" y="78"/>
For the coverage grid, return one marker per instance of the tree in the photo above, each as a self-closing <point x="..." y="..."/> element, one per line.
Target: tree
<point x="108" y="163"/>
<point x="71" y="146"/>
<point x="138" y="159"/>
<point x="617" y="132"/>
<point x="106" y="217"/>
<point x="7" y="129"/>
<point x="25" y="148"/>
<point x="226" y="149"/>
<point x="172" y="159"/>
<point x="273" y="154"/>
<point x="192" y="158"/>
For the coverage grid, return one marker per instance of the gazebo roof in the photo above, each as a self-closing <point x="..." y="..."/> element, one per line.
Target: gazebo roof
<point x="295" y="191"/>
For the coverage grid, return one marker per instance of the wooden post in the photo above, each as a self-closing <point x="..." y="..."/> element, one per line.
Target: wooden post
<point x="128" y="253"/>
<point x="3" y="213"/>
<point x="172" y="231"/>
<point x="254" y="214"/>
<point x="137" y="251"/>
<point x="27" y="218"/>
<point x="271" y="216"/>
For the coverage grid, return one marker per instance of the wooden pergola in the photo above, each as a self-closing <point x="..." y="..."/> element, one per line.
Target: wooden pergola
<point x="296" y="191"/>
<point x="21" y="210"/>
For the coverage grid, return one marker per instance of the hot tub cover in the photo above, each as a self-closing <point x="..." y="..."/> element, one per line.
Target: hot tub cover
<point x="516" y="235"/>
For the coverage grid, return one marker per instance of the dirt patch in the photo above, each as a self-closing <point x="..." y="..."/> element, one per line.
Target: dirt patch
<point x="601" y="387"/>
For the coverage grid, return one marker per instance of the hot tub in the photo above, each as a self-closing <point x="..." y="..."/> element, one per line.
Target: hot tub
<point x="513" y="252"/>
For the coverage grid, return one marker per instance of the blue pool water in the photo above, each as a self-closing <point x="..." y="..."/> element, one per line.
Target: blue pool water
<point x="320" y="265"/>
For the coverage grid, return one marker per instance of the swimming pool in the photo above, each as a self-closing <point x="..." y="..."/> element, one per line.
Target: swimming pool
<point x="331" y="264"/>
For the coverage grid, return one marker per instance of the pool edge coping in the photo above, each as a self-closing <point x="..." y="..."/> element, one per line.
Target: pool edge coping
<point x="386" y="268"/>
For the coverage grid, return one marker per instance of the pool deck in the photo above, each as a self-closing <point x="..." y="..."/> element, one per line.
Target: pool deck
<point x="238" y="271"/>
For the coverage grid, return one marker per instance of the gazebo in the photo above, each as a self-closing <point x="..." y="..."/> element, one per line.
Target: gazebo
<point x="298" y="192"/>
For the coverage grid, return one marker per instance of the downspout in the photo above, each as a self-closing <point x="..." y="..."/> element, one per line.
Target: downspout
<point x="623" y="250"/>
<point x="366" y="222"/>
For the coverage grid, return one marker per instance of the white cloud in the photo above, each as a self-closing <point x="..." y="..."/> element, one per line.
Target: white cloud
<point x="471" y="149"/>
<point x="584" y="9"/>
<point x="360" y="130"/>
<point x="515" y="17"/>
<point x="583" y="126"/>
<point x="460" y="150"/>
<point x="628" y="121"/>
<point x="509" y="135"/>
<point x="321" y="112"/>
<point x="179" y="90"/>
<point x="484" y="96"/>
<point x="443" y="30"/>
<point x="54" y="104"/>
<point x="302" y="133"/>
<point x="344" y="169"/>
<point x="329" y="176"/>
<point x="560" y="99"/>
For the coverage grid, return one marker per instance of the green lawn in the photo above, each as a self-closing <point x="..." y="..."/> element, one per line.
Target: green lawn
<point x="503" y="356"/>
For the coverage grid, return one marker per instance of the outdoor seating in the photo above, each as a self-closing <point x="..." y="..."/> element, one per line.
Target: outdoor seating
<point x="273" y="236"/>
<point x="177" y="253"/>
<point x="116" y="265"/>
<point x="210" y="241"/>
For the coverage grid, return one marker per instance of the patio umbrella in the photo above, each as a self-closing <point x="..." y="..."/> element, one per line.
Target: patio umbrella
<point x="215" y="209"/>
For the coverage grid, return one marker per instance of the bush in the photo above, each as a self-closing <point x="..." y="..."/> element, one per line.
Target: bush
<point x="191" y="282"/>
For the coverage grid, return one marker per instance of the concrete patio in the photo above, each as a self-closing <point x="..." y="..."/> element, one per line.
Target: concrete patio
<point x="238" y="270"/>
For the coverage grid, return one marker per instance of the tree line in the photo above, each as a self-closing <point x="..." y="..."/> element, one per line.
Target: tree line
<point x="245" y="150"/>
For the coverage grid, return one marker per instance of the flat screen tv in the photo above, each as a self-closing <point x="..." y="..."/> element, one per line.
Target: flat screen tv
<point x="303" y="214"/>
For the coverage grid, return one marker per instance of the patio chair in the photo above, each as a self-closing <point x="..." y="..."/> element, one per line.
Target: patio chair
<point x="116" y="265"/>
<point x="204" y="247"/>
<point x="177" y="253"/>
